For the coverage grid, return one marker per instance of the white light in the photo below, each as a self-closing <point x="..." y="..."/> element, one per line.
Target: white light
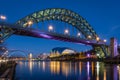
<point x="98" y="55"/>
<point x="89" y="37"/>
<point x="78" y="34"/>
<point x="66" y="31"/>
<point x="2" y="17"/>
<point x="50" y="28"/>
<point x="97" y="38"/>
<point x="30" y="55"/>
<point x="105" y="40"/>
<point x="30" y="23"/>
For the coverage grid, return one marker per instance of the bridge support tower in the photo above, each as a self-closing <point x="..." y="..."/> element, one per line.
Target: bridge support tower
<point x="113" y="47"/>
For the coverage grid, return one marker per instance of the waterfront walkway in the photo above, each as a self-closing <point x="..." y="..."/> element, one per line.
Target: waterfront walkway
<point x="8" y="74"/>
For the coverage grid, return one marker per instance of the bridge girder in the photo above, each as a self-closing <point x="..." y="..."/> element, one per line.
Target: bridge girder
<point x="5" y="32"/>
<point x="60" y="14"/>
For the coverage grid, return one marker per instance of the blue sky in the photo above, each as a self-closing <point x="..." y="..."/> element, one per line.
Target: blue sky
<point x="103" y="15"/>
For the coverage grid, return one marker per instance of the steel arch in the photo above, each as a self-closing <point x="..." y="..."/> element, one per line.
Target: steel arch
<point x="5" y="32"/>
<point x="11" y="52"/>
<point x="61" y="14"/>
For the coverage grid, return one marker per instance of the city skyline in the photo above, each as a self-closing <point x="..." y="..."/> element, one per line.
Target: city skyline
<point x="98" y="14"/>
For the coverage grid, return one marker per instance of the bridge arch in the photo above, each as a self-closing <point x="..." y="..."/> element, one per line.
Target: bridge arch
<point x="60" y="14"/>
<point x="15" y="52"/>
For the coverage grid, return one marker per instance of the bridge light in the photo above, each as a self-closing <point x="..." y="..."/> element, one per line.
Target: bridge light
<point x="97" y="38"/>
<point x="78" y="34"/>
<point x="89" y="37"/>
<point x="30" y="23"/>
<point x="66" y="31"/>
<point x="2" y="17"/>
<point x="50" y="28"/>
<point x="105" y="40"/>
<point x="98" y="55"/>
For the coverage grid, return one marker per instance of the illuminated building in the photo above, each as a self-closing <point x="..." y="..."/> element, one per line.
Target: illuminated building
<point x="30" y="56"/>
<point x="55" y="52"/>
<point x="43" y="56"/>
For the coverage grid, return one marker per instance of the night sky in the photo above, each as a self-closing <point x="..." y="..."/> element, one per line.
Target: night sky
<point x="103" y="15"/>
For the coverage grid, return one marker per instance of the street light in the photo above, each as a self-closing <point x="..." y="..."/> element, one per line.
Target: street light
<point x="105" y="40"/>
<point x="97" y="38"/>
<point x="78" y="34"/>
<point x="30" y="23"/>
<point x="50" y="28"/>
<point x="2" y="17"/>
<point x="66" y="31"/>
<point x="89" y="37"/>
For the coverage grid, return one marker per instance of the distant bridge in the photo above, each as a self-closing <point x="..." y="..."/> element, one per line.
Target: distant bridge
<point x="10" y="53"/>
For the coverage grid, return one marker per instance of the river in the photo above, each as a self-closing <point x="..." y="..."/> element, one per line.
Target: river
<point x="66" y="70"/>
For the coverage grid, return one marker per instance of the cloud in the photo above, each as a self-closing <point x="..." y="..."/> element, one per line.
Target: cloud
<point x="114" y="28"/>
<point x="113" y="31"/>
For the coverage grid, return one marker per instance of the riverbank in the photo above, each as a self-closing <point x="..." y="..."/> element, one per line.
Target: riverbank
<point x="105" y="60"/>
<point x="7" y="70"/>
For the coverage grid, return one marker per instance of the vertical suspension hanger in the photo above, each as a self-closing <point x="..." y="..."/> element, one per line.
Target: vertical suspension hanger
<point x="42" y="26"/>
<point x="64" y="27"/>
<point x="68" y="27"/>
<point x="72" y="33"/>
<point x="54" y="25"/>
<point x="48" y="24"/>
<point x="37" y="26"/>
<point x="58" y="26"/>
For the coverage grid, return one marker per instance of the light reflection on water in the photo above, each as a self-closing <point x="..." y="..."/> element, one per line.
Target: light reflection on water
<point x="56" y="70"/>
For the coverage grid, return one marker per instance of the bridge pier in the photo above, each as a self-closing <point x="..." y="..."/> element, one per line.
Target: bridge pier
<point x="102" y="51"/>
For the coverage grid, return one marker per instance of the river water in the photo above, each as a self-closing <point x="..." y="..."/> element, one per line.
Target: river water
<point x="66" y="70"/>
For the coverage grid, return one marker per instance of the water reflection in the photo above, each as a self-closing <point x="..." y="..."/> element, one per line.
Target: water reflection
<point x="104" y="74"/>
<point x="93" y="69"/>
<point x="118" y="68"/>
<point x="67" y="70"/>
<point x="43" y="66"/>
<point x="115" y="72"/>
<point x="88" y="70"/>
<point x="30" y="65"/>
<point x="97" y="66"/>
<point x="55" y="67"/>
<point x="80" y="67"/>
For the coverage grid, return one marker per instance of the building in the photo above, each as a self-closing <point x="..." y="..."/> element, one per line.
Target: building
<point x="30" y="56"/>
<point x="43" y="56"/>
<point x="56" y="52"/>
